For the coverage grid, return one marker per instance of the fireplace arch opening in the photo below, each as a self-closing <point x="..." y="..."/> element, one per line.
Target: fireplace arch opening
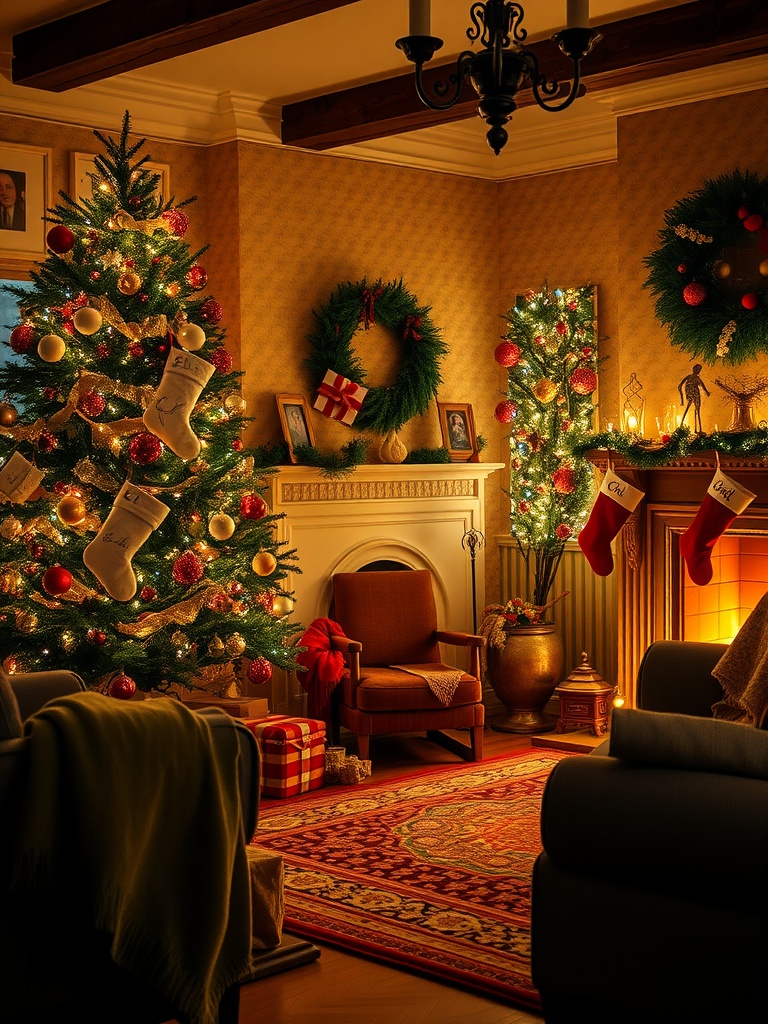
<point x="384" y="565"/>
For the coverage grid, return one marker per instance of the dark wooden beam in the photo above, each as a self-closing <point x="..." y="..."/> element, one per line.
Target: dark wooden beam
<point x="685" y="38"/>
<point x="123" y="35"/>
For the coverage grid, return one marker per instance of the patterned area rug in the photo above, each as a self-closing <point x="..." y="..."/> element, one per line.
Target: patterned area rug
<point x="430" y="872"/>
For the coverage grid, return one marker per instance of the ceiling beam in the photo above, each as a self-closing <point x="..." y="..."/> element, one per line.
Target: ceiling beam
<point x="123" y="35"/>
<point x="684" y="38"/>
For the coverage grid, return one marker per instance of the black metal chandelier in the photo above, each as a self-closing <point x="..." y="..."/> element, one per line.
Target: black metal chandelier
<point x="503" y="66"/>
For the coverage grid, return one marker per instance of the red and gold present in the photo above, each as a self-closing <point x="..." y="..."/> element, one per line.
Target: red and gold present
<point x="339" y="397"/>
<point x="292" y="753"/>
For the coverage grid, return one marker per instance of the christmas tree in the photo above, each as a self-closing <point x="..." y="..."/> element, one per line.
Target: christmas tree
<point x="551" y="359"/>
<point x="136" y="546"/>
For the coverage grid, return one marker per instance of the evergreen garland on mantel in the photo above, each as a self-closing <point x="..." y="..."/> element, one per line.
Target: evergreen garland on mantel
<point x="682" y="444"/>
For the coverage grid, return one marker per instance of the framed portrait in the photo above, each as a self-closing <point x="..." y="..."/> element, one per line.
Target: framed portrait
<point x="457" y="425"/>
<point x="25" y="198"/>
<point x="83" y="165"/>
<point x="294" y="419"/>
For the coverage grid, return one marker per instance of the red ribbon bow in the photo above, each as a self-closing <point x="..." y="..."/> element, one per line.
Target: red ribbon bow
<point x="412" y="324"/>
<point x="368" y="312"/>
<point x="342" y="393"/>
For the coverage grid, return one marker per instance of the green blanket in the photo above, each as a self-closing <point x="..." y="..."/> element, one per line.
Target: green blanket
<point x="128" y="805"/>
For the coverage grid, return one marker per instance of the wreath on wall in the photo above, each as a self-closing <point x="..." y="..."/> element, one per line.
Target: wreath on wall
<point x="710" y="274"/>
<point x="355" y="307"/>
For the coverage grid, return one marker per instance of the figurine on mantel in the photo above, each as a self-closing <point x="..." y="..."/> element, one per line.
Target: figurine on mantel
<point x="690" y="389"/>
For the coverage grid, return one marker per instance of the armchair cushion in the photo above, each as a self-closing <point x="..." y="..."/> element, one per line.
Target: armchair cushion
<point x="382" y="688"/>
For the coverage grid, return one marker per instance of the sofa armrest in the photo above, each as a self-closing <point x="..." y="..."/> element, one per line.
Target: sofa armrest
<point x="34" y="689"/>
<point x="250" y="762"/>
<point x="676" y="676"/>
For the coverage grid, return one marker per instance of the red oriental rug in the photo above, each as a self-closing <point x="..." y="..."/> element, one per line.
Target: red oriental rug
<point x="431" y="872"/>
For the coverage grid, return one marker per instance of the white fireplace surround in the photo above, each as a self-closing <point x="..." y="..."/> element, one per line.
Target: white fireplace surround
<point x="416" y="515"/>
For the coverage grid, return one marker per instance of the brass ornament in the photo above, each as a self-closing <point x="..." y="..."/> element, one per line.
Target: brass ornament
<point x="221" y="526"/>
<point x="10" y="528"/>
<point x="281" y="605"/>
<point x="71" y="510"/>
<point x="216" y="647"/>
<point x="26" y="622"/>
<point x="234" y="645"/>
<point x="87" y="320"/>
<point x="235" y="404"/>
<point x="264" y="563"/>
<point x="8" y="415"/>
<point x="129" y="283"/>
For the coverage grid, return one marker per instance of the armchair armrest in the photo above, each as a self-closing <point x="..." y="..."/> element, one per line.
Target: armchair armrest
<point x="469" y="640"/>
<point x="676" y="676"/>
<point x="351" y="650"/>
<point x="34" y="689"/>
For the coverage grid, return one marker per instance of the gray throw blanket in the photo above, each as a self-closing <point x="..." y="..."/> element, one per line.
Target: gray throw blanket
<point x="743" y="671"/>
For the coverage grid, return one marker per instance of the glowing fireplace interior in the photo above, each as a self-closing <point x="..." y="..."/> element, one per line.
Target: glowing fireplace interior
<point x="714" y="614"/>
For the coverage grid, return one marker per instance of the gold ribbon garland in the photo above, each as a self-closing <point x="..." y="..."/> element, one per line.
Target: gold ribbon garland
<point x="150" y="327"/>
<point x="182" y="614"/>
<point x="121" y="220"/>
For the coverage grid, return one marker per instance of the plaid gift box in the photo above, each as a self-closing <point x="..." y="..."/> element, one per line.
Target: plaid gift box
<point x="339" y="398"/>
<point x="292" y="753"/>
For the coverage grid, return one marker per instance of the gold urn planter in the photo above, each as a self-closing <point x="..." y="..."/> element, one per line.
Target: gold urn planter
<point x="524" y="674"/>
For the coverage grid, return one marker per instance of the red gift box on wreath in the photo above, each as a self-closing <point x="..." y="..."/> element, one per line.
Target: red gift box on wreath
<point x="339" y="397"/>
<point x="292" y="753"/>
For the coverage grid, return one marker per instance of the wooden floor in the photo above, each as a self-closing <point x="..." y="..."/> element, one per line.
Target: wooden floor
<point x="342" y="988"/>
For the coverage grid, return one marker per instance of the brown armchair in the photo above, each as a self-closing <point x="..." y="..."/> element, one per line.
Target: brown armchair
<point x="389" y="619"/>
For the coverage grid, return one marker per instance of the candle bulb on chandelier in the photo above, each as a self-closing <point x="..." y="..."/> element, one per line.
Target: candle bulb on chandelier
<point x="578" y="14"/>
<point x="419" y="16"/>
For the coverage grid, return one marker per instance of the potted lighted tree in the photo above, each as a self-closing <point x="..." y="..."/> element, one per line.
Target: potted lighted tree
<point x="550" y="352"/>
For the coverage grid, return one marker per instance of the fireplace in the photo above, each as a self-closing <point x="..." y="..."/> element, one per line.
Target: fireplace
<point x="414" y="516"/>
<point x="657" y="600"/>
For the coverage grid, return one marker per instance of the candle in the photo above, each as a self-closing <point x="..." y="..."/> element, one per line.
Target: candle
<point x="418" y="11"/>
<point x="578" y="14"/>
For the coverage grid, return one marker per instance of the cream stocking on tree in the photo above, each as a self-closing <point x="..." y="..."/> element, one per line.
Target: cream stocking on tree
<point x="167" y="416"/>
<point x="135" y="514"/>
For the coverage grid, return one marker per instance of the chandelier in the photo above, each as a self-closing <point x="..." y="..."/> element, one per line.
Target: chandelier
<point x="503" y="66"/>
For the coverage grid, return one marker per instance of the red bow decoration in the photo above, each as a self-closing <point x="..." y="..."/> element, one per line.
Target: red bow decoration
<point x="410" y="329"/>
<point x="368" y="312"/>
<point x="342" y="393"/>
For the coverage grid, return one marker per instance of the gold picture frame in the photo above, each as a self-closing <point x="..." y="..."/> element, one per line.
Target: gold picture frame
<point x="457" y="426"/>
<point x="83" y="165"/>
<point x="25" y="180"/>
<point x="295" y="421"/>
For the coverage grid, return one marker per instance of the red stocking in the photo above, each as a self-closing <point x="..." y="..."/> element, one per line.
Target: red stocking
<point x="724" y="500"/>
<point x="616" y="500"/>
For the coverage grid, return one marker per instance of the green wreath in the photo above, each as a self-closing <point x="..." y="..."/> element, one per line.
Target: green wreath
<point x="710" y="275"/>
<point x="353" y="307"/>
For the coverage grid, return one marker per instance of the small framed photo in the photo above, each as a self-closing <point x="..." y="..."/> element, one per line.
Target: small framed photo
<point x="294" y="419"/>
<point x="25" y="198"/>
<point x="457" y="425"/>
<point x="84" y="167"/>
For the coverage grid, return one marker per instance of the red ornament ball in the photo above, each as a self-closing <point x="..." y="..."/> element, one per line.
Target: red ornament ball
<point x="237" y="445"/>
<point x="102" y="350"/>
<point x="188" y="569"/>
<point x="22" y="338"/>
<point x="694" y="294"/>
<point x="60" y="239"/>
<point x="222" y="360"/>
<point x="751" y="300"/>
<point x="561" y="327"/>
<point x="147" y="593"/>
<point x="583" y="380"/>
<point x="259" y="671"/>
<point x="507" y="353"/>
<point x="211" y="311"/>
<point x="57" y="580"/>
<point x="266" y="601"/>
<point x="563" y="531"/>
<point x="754" y="222"/>
<point x="682" y="268"/>
<point x="743" y="212"/>
<point x="197" y="277"/>
<point x="122" y="687"/>
<point x="253" y="506"/>
<point x="49" y="393"/>
<point x="97" y="637"/>
<point x="505" y="411"/>
<point x="176" y="221"/>
<point x="145" y="448"/>
<point x="135" y="351"/>
<point x="564" y="480"/>
<point x="92" y="404"/>
<point x="47" y="441"/>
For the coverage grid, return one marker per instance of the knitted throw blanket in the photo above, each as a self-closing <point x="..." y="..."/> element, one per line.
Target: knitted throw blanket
<point x="128" y="805"/>
<point x="442" y="680"/>
<point x="743" y="671"/>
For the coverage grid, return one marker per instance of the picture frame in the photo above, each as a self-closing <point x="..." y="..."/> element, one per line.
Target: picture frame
<point x="457" y="426"/>
<point x="25" y="178"/>
<point x="295" y="421"/>
<point x="83" y="165"/>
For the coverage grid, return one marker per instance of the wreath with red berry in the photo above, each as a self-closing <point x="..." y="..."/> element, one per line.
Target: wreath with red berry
<point x="710" y="273"/>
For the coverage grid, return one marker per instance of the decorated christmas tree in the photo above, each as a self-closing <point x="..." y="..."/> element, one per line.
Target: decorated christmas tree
<point x="136" y="547"/>
<point x="550" y="353"/>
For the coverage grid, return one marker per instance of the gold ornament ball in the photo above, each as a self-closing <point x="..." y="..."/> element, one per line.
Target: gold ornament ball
<point x="128" y="283"/>
<point x="71" y="510"/>
<point x="8" y="415"/>
<point x="221" y="526"/>
<point x="26" y="622"/>
<point x="51" y="348"/>
<point x="87" y="320"/>
<point x="235" y="404"/>
<point x="763" y="268"/>
<point x="172" y="289"/>
<point x="545" y="390"/>
<point x="216" y="647"/>
<point x="10" y="528"/>
<point x="282" y="605"/>
<point x="722" y="269"/>
<point x="264" y="563"/>
<point x="235" y="645"/>
<point x="191" y="337"/>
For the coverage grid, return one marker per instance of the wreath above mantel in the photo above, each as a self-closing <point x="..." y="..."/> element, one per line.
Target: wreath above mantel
<point x="355" y="307"/>
<point x="710" y="274"/>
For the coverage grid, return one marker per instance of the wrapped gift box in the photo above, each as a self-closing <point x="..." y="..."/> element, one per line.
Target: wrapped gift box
<point x="267" y="873"/>
<point x="339" y="398"/>
<point x="292" y="753"/>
